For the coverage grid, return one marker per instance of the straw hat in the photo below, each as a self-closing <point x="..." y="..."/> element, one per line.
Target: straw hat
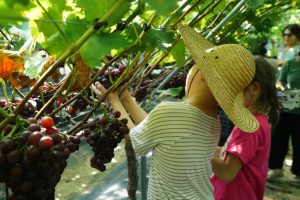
<point x="228" y="69"/>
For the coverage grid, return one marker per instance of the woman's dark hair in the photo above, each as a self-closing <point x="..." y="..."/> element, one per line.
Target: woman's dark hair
<point x="268" y="102"/>
<point x="294" y="28"/>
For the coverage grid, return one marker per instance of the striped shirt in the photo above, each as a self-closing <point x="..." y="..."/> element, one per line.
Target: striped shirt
<point x="183" y="139"/>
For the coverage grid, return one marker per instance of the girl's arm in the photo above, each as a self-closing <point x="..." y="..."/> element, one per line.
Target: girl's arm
<point x="136" y="112"/>
<point x="226" y="170"/>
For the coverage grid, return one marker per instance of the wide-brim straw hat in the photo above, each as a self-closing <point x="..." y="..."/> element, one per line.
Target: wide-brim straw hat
<point x="227" y="69"/>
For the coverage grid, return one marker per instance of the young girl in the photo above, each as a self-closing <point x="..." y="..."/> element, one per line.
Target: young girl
<point x="241" y="171"/>
<point x="184" y="135"/>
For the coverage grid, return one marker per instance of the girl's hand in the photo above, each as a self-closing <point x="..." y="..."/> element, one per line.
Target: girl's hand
<point x="280" y="62"/>
<point x="100" y="90"/>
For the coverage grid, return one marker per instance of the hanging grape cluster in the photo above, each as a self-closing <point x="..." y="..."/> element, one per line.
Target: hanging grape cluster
<point x="32" y="160"/>
<point x="103" y="135"/>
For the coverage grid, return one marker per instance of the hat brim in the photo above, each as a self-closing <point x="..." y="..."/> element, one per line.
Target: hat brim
<point x="228" y="95"/>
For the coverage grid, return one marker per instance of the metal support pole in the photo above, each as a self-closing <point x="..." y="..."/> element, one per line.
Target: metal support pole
<point x="6" y="192"/>
<point x="143" y="178"/>
<point x="211" y="34"/>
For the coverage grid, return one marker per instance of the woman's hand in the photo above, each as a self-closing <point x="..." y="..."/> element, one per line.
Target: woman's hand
<point x="280" y="62"/>
<point x="100" y="90"/>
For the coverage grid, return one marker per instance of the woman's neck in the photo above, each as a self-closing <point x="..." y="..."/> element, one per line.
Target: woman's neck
<point x="291" y="46"/>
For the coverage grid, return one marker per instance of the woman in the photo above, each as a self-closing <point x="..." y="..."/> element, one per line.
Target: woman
<point x="288" y="78"/>
<point x="290" y="35"/>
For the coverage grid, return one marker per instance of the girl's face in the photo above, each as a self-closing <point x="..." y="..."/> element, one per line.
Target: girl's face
<point x="247" y="98"/>
<point x="289" y="38"/>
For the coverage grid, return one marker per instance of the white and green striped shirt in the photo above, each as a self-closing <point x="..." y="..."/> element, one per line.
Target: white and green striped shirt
<point x="183" y="139"/>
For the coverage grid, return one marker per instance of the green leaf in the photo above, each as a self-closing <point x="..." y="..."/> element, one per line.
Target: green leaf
<point x="178" y="52"/>
<point x="33" y="65"/>
<point x="95" y="8"/>
<point x="99" y="45"/>
<point x="49" y="29"/>
<point x="17" y="11"/>
<point x="162" y="7"/>
<point x="119" y="14"/>
<point x="11" y="3"/>
<point x="159" y="39"/>
<point x="55" y="45"/>
<point x="74" y="31"/>
<point x="171" y="91"/>
<point x="254" y="4"/>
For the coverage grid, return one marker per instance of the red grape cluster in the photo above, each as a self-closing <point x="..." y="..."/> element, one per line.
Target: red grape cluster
<point x="103" y="135"/>
<point x="142" y="92"/>
<point x="31" y="162"/>
<point x="178" y="80"/>
<point x="104" y="77"/>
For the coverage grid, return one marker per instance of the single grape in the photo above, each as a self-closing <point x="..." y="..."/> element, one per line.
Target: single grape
<point x="75" y="140"/>
<point x="47" y="155"/>
<point x="58" y="156"/>
<point x="14" y="156"/>
<point x="122" y="130"/>
<point x="34" y="127"/>
<point x="46" y="173"/>
<point x="33" y="152"/>
<point x="60" y="147"/>
<point x="47" y="122"/>
<point x="35" y="138"/>
<point x="3" y="159"/>
<point x="114" y="122"/>
<point x="63" y="164"/>
<point x="124" y="121"/>
<point x="30" y="175"/>
<point x="66" y="153"/>
<point x="92" y="125"/>
<point x="93" y="159"/>
<point x="52" y="130"/>
<point x="13" y="196"/>
<point x="46" y="142"/>
<point x="7" y="129"/>
<point x="56" y="137"/>
<point x="24" y="136"/>
<point x="26" y="186"/>
<point x="71" y="147"/>
<point x="117" y="114"/>
<point x="7" y="145"/>
<point x="16" y="170"/>
<point x="32" y="120"/>
<point x="38" y="193"/>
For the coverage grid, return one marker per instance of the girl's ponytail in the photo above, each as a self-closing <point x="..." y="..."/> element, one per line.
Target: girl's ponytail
<point x="268" y="102"/>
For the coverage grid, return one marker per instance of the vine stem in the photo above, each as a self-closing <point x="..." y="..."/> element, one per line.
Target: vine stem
<point x="43" y="101"/>
<point x="5" y="114"/>
<point x="186" y="12"/>
<point x="64" y="105"/>
<point x="6" y="37"/>
<point x="207" y="12"/>
<point x="5" y="94"/>
<point x="55" y="24"/>
<point x="22" y="95"/>
<point x="65" y="55"/>
<point x="67" y="81"/>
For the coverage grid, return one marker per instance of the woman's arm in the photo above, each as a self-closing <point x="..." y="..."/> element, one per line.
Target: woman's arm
<point x="226" y="170"/>
<point x="280" y="85"/>
<point x="136" y="112"/>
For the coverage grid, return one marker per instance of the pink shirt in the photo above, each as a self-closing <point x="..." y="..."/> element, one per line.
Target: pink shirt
<point x="253" y="149"/>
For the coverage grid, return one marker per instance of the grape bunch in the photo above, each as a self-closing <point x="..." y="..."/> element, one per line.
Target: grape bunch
<point x="143" y="91"/>
<point x="32" y="161"/>
<point x="178" y="80"/>
<point x="104" y="77"/>
<point x="25" y="113"/>
<point x="103" y="135"/>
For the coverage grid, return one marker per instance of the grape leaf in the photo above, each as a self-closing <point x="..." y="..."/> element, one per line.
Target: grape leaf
<point x="10" y="61"/>
<point x="55" y="45"/>
<point x="171" y="91"/>
<point x="16" y="11"/>
<point x="49" y="29"/>
<point x="100" y="45"/>
<point x="162" y="7"/>
<point x="74" y="31"/>
<point x="159" y="39"/>
<point x="34" y="65"/>
<point x="95" y="8"/>
<point x="119" y="14"/>
<point x="11" y="3"/>
<point x="254" y="4"/>
<point x="83" y="73"/>
<point x="178" y="52"/>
